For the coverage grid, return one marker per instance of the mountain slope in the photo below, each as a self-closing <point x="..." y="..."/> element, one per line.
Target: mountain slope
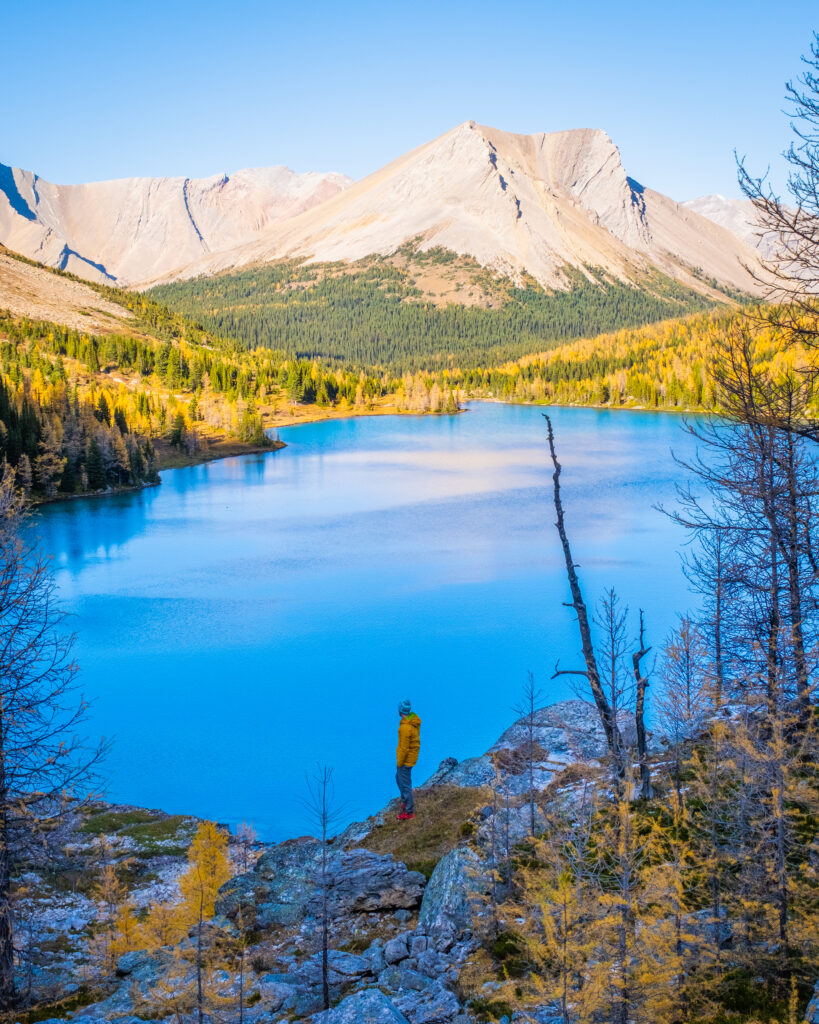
<point x="736" y="215"/>
<point x="133" y="229"/>
<point x="518" y="204"/>
<point x="29" y="290"/>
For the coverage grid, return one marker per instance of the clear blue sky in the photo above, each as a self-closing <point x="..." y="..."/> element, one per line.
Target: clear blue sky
<point x="94" y="90"/>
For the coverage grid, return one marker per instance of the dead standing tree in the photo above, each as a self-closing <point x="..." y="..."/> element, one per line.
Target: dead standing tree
<point x="42" y="760"/>
<point x="641" y="682"/>
<point x="527" y="712"/>
<point x="611" y="617"/>
<point x="591" y="672"/>
<point x="325" y="814"/>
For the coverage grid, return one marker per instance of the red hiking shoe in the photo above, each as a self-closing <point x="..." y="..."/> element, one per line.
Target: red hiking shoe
<point x="403" y="816"/>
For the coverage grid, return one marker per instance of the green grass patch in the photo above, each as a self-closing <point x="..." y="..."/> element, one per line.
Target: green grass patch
<point x="111" y="822"/>
<point x="153" y="834"/>
<point x="490" y="1009"/>
<point x="84" y="996"/>
<point x="438" y="827"/>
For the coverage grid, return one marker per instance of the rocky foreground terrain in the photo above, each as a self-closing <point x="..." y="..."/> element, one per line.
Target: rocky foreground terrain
<point x="401" y="929"/>
<point x="405" y="900"/>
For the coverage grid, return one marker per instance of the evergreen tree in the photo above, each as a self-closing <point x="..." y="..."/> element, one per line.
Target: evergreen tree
<point x="94" y="467"/>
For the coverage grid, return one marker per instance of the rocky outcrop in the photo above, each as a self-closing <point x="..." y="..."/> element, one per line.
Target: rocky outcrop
<point x="564" y="733"/>
<point x="501" y="829"/>
<point x="282" y="888"/>
<point x="397" y="942"/>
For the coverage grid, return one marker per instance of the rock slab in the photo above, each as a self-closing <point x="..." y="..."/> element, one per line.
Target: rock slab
<point x="368" y="1007"/>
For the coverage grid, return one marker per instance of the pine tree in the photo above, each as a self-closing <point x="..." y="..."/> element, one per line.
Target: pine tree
<point x="24" y="473"/>
<point x="49" y="464"/>
<point x="94" y="467"/>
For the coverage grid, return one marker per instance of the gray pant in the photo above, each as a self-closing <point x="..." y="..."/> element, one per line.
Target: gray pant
<point x="403" y="777"/>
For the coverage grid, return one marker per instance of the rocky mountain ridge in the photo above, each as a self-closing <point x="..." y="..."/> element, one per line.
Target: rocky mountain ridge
<point x="524" y="206"/>
<point x="131" y="229"/>
<point x="518" y="204"/>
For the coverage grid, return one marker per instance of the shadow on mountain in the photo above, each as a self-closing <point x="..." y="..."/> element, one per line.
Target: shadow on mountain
<point x="9" y="186"/>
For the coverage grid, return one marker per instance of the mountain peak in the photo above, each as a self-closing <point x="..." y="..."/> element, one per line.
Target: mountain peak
<point x="518" y="204"/>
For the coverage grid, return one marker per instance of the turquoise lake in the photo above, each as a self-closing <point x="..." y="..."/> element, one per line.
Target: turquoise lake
<point x="253" y="617"/>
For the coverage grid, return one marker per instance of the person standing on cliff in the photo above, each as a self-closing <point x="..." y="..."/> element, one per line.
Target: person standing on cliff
<point x="409" y="744"/>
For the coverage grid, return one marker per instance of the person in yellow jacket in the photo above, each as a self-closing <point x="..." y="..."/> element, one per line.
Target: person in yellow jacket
<point x="409" y="744"/>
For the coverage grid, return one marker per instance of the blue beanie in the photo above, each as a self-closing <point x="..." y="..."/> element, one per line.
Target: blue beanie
<point x="404" y="708"/>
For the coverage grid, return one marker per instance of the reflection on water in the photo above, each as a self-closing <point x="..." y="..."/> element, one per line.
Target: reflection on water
<point x="252" y="617"/>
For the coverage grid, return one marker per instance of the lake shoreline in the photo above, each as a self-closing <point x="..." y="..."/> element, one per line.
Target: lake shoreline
<point x="225" y="448"/>
<point x="326" y="416"/>
<point x="219" y="449"/>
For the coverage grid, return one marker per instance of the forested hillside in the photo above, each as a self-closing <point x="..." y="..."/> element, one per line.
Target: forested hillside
<point x="374" y="314"/>
<point x="660" y="366"/>
<point x="82" y="412"/>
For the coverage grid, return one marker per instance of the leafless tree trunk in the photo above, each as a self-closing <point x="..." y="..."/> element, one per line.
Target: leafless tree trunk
<point x="639" y="714"/>
<point x="324" y="813"/>
<point x="526" y="710"/>
<point x="240" y="924"/>
<point x="592" y="673"/>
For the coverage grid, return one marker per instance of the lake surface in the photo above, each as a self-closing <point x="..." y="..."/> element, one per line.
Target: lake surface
<point x="256" y="616"/>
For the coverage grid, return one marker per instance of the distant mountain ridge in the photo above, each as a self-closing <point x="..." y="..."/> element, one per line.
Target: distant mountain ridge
<point x="521" y="205"/>
<point x="737" y="215"/>
<point x="130" y="229"/>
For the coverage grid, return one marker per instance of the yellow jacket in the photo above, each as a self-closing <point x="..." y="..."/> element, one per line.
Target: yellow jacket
<point x="409" y="740"/>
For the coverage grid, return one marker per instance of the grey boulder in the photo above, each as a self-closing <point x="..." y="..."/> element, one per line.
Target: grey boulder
<point x="434" y="1004"/>
<point x="564" y="733"/>
<point x="370" y="1006"/>
<point x="396" y="950"/>
<point x="342" y="968"/>
<point x="701" y="928"/>
<point x="453" y="896"/>
<point x="509" y="826"/>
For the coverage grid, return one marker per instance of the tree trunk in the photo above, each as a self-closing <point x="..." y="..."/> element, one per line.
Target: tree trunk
<point x="719" y="669"/>
<point x="7" y="988"/>
<point x="791" y="553"/>
<point x="531" y="772"/>
<point x="200" y="1009"/>
<point x="772" y="645"/>
<point x="242" y="985"/>
<point x="325" y="968"/>
<point x="639" y="715"/>
<point x="607" y="719"/>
